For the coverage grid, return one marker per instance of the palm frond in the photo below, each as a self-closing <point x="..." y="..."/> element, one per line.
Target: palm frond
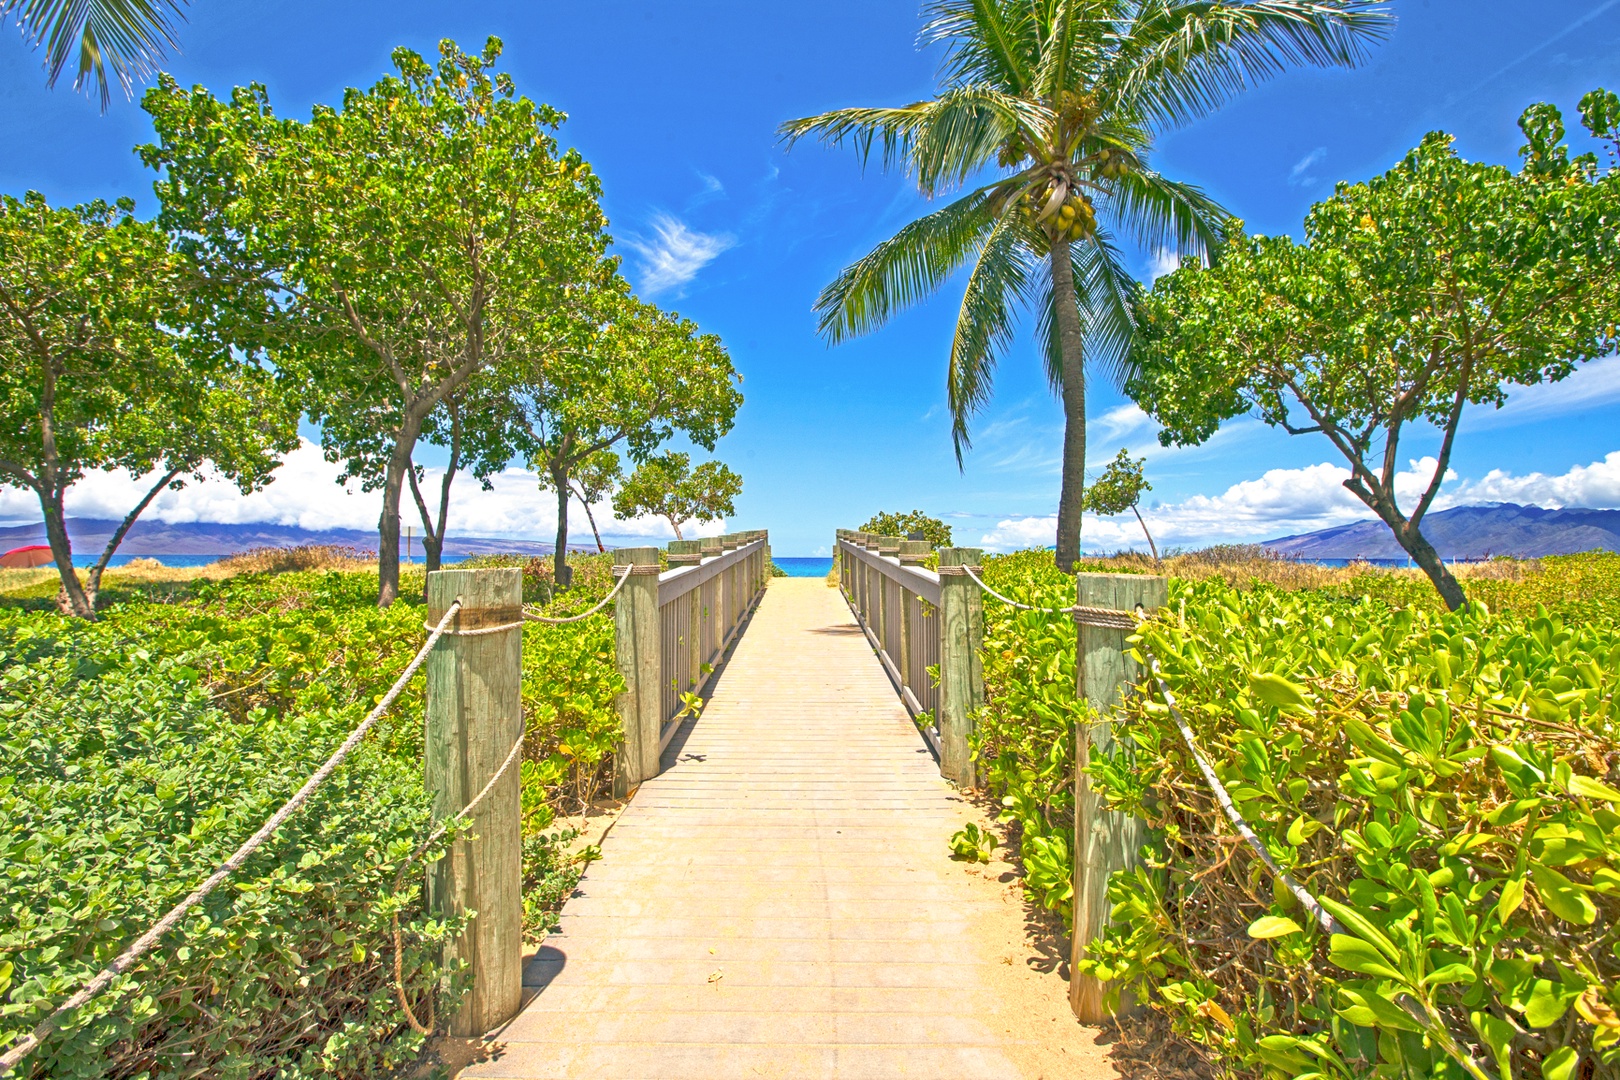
<point x="984" y="325"/>
<point x="1158" y="212"/>
<point x="130" y="36"/>
<point x="1181" y="59"/>
<point x="987" y="41"/>
<point x="1075" y="36"/>
<point x="904" y="268"/>
<point x="940" y="142"/>
<point x="1110" y="293"/>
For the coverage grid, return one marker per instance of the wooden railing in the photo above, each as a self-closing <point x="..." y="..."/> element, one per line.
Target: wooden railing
<point x="926" y="627"/>
<point x="673" y="629"/>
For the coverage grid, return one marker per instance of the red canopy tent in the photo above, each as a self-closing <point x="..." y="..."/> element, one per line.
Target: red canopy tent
<point x="24" y="557"/>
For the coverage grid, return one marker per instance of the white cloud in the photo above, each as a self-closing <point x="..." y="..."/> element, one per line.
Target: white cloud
<point x="305" y="494"/>
<point x="675" y="255"/>
<point x="1163" y="261"/>
<point x="1280" y="501"/>
<point x="1594" y="485"/>
<point x="1299" y="176"/>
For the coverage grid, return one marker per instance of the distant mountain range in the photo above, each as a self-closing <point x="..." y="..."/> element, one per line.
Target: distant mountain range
<point x="1468" y="532"/>
<point x="90" y="535"/>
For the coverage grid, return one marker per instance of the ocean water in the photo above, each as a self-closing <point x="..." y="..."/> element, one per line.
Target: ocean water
<point x="803" y="567"/>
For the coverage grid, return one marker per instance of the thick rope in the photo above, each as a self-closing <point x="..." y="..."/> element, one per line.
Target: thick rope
<point x="1323" y="917"/>
<point x="146" y="941"/>
<point x="1434" y="1025"/>
<point x="623" y="573"/>
<point x="399" y="973"/>
<point x="1090" y="616"/>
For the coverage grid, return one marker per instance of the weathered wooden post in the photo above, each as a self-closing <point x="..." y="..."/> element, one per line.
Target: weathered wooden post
<point x="888" y="547"/>
<point x="637" y="641"/>
<point x="474" y="718"/>
<point x="1104" y="840"/>
<point x="912" y="553"/>
<point x="961" y="671"/>
<point x="689" y="553"/>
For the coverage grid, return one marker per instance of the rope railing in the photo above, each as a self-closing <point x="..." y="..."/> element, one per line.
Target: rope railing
<point x="144" y="944"/>
<point x="444" y="827"/>
<point x="1090" y="616"/>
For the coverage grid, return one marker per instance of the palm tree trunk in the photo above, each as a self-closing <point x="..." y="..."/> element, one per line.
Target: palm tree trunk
<point x="1071" y="347"/>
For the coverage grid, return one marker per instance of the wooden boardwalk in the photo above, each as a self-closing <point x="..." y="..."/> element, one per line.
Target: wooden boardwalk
<point x="780" y="902"/>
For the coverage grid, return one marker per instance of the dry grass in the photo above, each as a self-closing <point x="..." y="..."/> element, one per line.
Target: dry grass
<point x="274" y="560"/>
<point x="151" y="579"/>
<point x="1244" y="566"/>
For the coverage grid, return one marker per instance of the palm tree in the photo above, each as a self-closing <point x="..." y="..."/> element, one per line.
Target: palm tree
<point x="1059" y="100"/>
<point x="128" y="35"/>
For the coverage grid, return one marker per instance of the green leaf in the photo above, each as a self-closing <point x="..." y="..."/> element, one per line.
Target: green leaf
<point x="1548" y="1002"/>
<point x="1356" y="955"/>
<point x="1560" y="1064"/>
<point x="1273" y="926"/>
<point x="1588" y="788"/>
<point x="1511" y="899"/>
<point x="1561" y="896"/>
<point x="1370" y="1009"/>
<point x="1279" y="693"/>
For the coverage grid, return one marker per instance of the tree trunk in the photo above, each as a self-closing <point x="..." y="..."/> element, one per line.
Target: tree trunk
<point x="590" y="517"/>
<point x="559" y="566"/>
<point x="1071" y="346"/>
<point x="74" y="600"/>
<point x="1151" y="545"/>
<point x="676" y="525"/>
<point x="1429" y="560"/>
<point x="94" y="585"/>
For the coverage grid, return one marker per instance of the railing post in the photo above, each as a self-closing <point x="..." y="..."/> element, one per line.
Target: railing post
<point x="961" y="671"/>
<point x="689" y="553"/>
<point x="1104" y="840"/>
<point x="887" y="547"/>
<point x="474" y="718"/>
<point x="637" y="639"/>
<point x="912" y="553"/>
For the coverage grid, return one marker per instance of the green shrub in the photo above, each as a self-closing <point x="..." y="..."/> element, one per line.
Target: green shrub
<point x="123" y="786"/>
<point x="1446" y="783"/>
<point x="140" y="750"/>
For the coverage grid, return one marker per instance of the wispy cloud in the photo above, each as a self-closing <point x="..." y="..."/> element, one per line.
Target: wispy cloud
<point x="1594" y="385"/>
<point x="710" y="190"/>
<point x="1299" y="175"/>
<point x="675" y="254"/>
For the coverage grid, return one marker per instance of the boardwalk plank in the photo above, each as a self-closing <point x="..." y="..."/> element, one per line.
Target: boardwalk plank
<point x="780" y="902"/>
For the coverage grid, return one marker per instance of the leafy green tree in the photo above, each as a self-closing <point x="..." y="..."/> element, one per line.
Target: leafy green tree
<point x="1439" y="284"/>
<point x="933" y="530"/>
<point x="1060" y="101"/>
<point x="386" y="253"/>
<point x="641" y="376"/>
<point x="98" y="371"/>
<point x="1119" y="489"/>
<point x="668" y="487"/>
<point x="130" y="35"/>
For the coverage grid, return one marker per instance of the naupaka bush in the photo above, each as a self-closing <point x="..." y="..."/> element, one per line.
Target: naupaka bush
<point x="138" y="751"/>
<point x="1444" y="783"/>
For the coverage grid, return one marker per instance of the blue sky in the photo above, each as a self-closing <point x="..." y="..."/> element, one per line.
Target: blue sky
<point x="676" y="106"/>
